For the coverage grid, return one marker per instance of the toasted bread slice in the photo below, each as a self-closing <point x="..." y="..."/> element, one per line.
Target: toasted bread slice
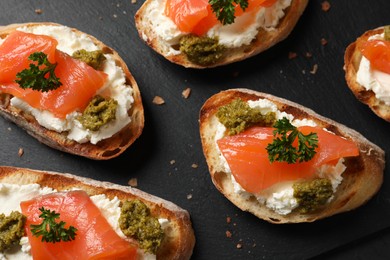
<point x="179" y="236"/>
<point x="264" y="39"/>
<point x="361" y="180"/>
<point x="352" y="60"/>
<point x="104" y="149"/>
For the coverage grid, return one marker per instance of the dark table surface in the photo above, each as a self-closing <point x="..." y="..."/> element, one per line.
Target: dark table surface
<point x="163" y="158"/>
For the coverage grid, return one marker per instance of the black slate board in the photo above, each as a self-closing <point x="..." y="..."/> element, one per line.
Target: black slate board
<point x="171" y="130"/>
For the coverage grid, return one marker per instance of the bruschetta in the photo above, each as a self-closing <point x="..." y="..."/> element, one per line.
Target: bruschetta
<point x="68" y="90"/>
<point x="51" y="215"/>
<point x="367" y="70"/>
<point x="283" y="162"/>
<point x="188" y="32"/>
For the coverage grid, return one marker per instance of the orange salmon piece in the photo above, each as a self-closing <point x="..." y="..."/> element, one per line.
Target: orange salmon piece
<point x="95" y="238"/>
<point x="79" y="81"/>
<point x="247" y="157"/>
<point x="186" y="13"/>
<point x="17" y="47"/>
<point x="378" y="53"/>
<point x="197" y="17"/>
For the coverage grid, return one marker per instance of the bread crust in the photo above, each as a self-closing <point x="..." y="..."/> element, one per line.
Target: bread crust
<point x="179" y="239"/>
<point x="104" y="149"/>
<point x="352" y="58"/>
<point x="263" y="41"/>
<point x="362" y="178"/>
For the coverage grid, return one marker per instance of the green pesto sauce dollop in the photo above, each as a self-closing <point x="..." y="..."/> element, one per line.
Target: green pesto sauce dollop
<point x="137" y="222"/>
<point x="94" y="59"/>
<point x="99" y="112"/>
<point x="201" y="50"/>
<point x="238" y="116"/>
<point x="11" y="229"/>
<point x="313" y="194"/>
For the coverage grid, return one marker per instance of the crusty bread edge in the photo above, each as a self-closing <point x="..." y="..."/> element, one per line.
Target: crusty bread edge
<point x="352" y="58"/>
<point x="362" y="179"/>
<point x="103" y="150"/>
<point x="263" y="41"/>
<point x="178" y="245"/>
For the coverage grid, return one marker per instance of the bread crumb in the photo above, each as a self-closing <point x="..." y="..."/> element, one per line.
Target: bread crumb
<point x="228" y="220"/>
<point x="292" y="55"/>
<point x="228" y="234"/>
<point x="186" y="93"/>
<point x="314" y="70"/>
<point x="325" y="6"/>
<point x="189" y="196"/>
<point x="133" y="1"/>
<point x="239" y="246"/>
<point x="194" y="165"/>
<point x="308" y="55"/>
<point x="20" y="152"/>
<point x="114" y="15"/>
<point x="158" y="100"/>
<point x="133" y="182"/>
<point x="9" y="129"/>
<point x="38" y="11"/>
<point x="324" y="41"/>
<point x="172" y="162"/>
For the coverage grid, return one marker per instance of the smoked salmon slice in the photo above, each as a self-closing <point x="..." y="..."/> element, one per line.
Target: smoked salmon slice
<point x="79" y="81"/>
<point x="95" y="238"/>
<point x="248" y="161"/>
<point x="14" y="52"/>
<point x="378" y="53"/>
<point x="197" y="17"/>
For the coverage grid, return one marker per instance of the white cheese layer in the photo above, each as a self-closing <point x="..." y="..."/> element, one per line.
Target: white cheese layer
<point x="241" y="32"/>
<point x="12" y="194"/>
<point x="279" y="197"/>
<point x="371" y="79"/>
<point x="115" y="87"/>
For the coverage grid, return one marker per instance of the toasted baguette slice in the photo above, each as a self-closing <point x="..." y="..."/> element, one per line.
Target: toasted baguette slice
<point x="264" y="40"/>
<point x="179" y="238"/>
<point x="352" y="60"/>
<point x="362" y="178"/>
<point x="104" y="149"/>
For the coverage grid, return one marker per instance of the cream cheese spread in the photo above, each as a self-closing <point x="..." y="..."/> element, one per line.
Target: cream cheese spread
<point x="12" y="194"/>
<point x="234" y="35"/>
<point x="115" y="87"/>
<point x="279" y="197"/>
<point x="371" y="79"/>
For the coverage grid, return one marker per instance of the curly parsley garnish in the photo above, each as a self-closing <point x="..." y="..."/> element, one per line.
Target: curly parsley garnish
<point x="282" y="149"/>
<point x="39" y="77"/>
<point x="50" y="230"/>
<point x="224" y="9"/>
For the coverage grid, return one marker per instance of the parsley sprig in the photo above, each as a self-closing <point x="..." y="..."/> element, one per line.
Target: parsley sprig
<point x="282" y="149"/>
<point x="39" y="76"/>
<point x="224" y="9"/>
<point x="50" y="230"/>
